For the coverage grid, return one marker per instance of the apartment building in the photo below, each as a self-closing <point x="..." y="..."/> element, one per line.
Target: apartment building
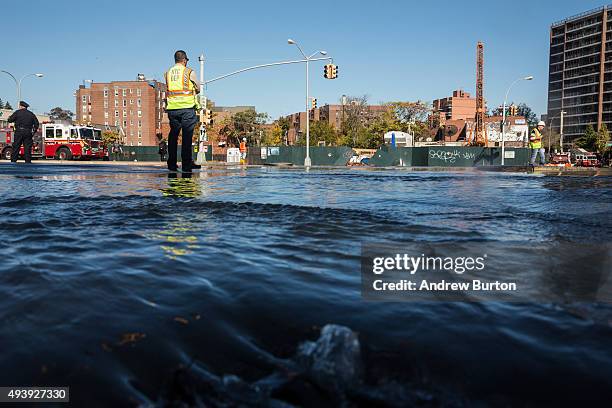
<point x="136" y="108"/>
<point x="580" y="73"/>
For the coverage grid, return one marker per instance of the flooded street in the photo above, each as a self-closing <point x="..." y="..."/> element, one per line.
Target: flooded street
<point x="114" y="277"/>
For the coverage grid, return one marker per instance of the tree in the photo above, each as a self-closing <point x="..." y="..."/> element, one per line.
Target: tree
<point x="7" y="105"/>
<point x="601" y="141"/>
<point x="273" y="136"/>
<point x="1" y="104"/>
<point x="247" y="124"/>
<point x="589" y="140"/>
<point x="523" y="110"/>
<point x="409" y="112"/>
<point x="109" y="137"/>
<point x="58" y="113"/>
<point x="323" y="131"/>
<point x="356" y="114"/>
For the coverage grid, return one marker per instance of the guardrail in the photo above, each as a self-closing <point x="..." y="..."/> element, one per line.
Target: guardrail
<point x="577" y="16"/>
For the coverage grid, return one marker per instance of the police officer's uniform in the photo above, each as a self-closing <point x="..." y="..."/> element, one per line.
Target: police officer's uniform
<point x="26" y="124"/>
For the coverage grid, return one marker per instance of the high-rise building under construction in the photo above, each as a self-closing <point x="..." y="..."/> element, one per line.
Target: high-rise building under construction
<point x="580" y="73"/>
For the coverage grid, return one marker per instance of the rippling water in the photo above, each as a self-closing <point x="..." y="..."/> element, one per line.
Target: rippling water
<point x="112" y="277"/>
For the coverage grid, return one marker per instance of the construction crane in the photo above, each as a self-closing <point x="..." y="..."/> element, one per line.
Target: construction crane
<point x="480" y="132"/>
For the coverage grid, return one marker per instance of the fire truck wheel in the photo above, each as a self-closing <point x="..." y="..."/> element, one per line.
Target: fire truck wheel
<point x="6" y="154"/>
<point x="63" y="154"/>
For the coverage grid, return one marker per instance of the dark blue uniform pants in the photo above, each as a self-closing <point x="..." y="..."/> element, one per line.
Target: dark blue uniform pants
<point x="22" y="137"/>
<point x="181" y="120"/>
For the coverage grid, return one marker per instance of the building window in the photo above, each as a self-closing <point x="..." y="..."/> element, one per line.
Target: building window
<point x="116" y="114"/>
<point x="131" y="101"/>
<point x="125" y="114"/>
<point x="84" y="108"/>
<point x="116" y="91"/>
<point x="124" y="93"/>
<point x="139" y="143"/>
<point x="105" y="115"/>
<point x="140" y="134"/>
<point x="139" y="102"/>
<point x="131" y="91"/>
<point x="106" y="104"/>
<point x="138" y="92"/>
<point x="116" y="123"/>
<point x="140" y="114"/>
<point x="124" y="103"/>
<point x="131" y="112"/>
<point x="140" y="123"/>
<point x="84" y="98"/>
<point x="116" y="103"/>
<point x="106" y="92"/>
<point x="131" y="133"/>
<point x="125" y="123"/>
<point x="105" y="123"/>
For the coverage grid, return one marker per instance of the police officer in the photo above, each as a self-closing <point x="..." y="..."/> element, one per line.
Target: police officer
<point x="535" y="143"/>
<point x="26" y="124"/>
<point x="182" y="87"/>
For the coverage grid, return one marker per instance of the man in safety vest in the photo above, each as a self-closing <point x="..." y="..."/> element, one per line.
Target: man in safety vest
<point x="535" y="144"/>
<point x="243" y="150"/>
<point x="182" y="87"/>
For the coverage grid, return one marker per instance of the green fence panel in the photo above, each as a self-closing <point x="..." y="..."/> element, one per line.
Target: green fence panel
<point x="150" y="154"/>
<point x="320" y="156"/>
<point x="448" y="156"/>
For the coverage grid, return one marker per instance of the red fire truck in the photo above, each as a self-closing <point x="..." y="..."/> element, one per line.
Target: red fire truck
<point x="59" y="141"/>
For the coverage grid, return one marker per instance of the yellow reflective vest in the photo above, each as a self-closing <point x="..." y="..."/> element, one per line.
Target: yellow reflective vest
<point x="180" y="91"/>
<point x="535" y="141"/>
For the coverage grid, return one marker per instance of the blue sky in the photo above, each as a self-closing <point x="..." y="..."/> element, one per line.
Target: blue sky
<point x="389" y="50"/>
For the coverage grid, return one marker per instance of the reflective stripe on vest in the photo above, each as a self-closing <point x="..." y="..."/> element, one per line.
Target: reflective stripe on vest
<point x="536" y="144"/>
<point x="180" y="91"/>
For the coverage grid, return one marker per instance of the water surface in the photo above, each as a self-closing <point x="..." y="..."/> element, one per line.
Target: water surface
<point x="112" y="277"/>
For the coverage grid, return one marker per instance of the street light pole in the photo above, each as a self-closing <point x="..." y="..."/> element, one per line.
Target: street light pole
<point x="18" y="83"/>
<point x="307" y="160"/>
<point x="201" y="157"/>
<point x="550" y="121"/>
<point x="503" y="141"/>
<point x="561" y="131"/>
<point x="21" y="80"/>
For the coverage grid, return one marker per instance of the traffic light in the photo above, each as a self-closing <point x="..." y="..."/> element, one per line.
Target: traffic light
<point x="208" y="117"/>
<point x="330" y="71"/>
<point x="314" y="103"/>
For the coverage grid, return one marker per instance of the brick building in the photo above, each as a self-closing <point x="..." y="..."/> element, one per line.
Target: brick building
<point x="134" y="107"/>
<point x="332" y="114"/>
<point x="459" y="106"/>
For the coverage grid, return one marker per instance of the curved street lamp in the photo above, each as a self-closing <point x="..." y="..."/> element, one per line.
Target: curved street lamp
<point x="503" y="141"/>
<point x="18" y="82"/>
<point x="307" y="161"/>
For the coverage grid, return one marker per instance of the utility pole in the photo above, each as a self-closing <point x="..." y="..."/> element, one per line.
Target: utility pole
<point x="561" y="131"/>
<point x="201" y="158"/>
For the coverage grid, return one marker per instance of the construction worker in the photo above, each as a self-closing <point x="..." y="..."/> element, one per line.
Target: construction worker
<point x="243" y="150"/>
<point x="535" y="144"/>
<point x="182" y="87"/>
<point x="26" y="124"/>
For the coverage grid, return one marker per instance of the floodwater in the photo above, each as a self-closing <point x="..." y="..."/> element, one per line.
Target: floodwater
<point x="113" y="279"/>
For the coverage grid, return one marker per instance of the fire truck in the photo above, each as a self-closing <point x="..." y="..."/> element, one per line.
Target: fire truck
<point x="59" y="141"/>
<point x="583" y="158"/>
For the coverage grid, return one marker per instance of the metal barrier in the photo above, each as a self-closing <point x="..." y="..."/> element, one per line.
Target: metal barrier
<point x="150" y="154"/>
<point x="295" y="155"/>
<point x="448" y="156"/>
